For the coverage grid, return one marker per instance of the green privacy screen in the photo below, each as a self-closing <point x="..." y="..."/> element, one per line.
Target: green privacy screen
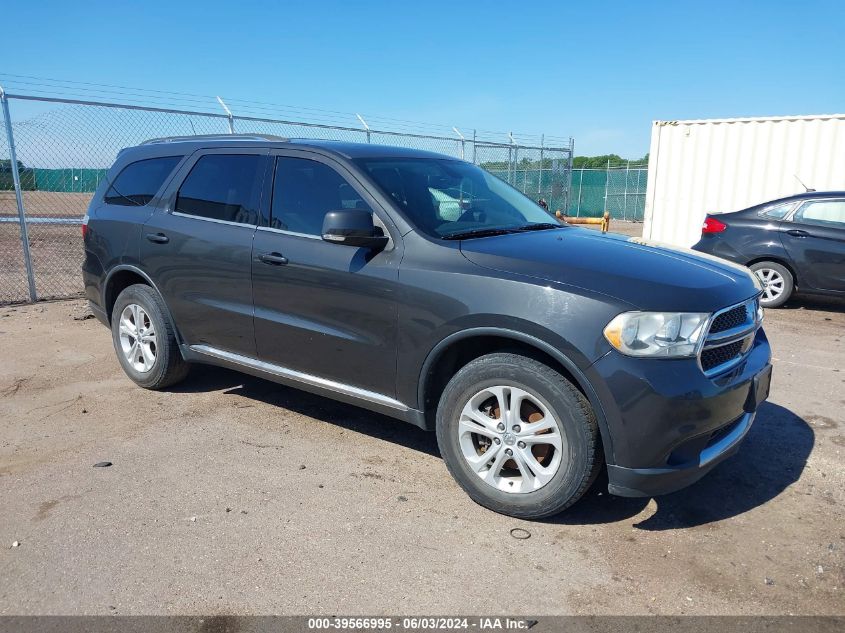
<point x="68" y="180"/>
<point x="623" y="189"/>
<point x="619" y="190"/>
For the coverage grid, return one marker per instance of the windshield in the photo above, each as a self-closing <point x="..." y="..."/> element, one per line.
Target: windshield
<point x="451" y="199"/>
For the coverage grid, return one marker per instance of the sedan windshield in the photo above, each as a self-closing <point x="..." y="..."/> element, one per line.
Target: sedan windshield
<point x="451" y="199"/>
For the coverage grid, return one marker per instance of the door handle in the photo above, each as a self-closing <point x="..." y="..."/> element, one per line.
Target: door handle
<point x="798" y="233"/>
<point x="274" y="259"/>
<point x="158" y="238"/>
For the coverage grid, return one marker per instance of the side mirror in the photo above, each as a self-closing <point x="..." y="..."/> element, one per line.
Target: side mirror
<point x="353" y="227"/>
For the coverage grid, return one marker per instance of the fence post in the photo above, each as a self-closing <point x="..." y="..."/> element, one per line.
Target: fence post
<point x="625" y="199"/>
<point x="366" y="127"/>
<point x="606" y="186"/>
<point x="540" y="175"/>
<point x="16" y="178"/>
<point x="462" y="141"/>
<point x="570" y="166"/>
<point x="639" y="171"/>
<point x="580" y="189"/>
<point x="510" y="157"/>
<point x="229" y="116"/>
<point x="473" y="148"/>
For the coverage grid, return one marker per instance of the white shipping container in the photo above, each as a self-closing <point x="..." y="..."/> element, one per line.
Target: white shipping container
<point x="723" y="165"/>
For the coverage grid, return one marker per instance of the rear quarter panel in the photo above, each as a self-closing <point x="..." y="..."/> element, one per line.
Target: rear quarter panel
<point x="748" y="238"/>
<point x="114" y="231"/>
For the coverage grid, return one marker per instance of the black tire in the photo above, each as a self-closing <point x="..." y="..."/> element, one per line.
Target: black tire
<point x="169" y="367"/>
<point x="581" y="460"/>
<point x="788" y="283"/>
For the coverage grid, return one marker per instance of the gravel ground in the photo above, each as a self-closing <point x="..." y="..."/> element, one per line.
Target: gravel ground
<point x="233" y="495"/>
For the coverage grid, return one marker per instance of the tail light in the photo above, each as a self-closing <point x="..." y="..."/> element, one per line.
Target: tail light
<point x="712" y="225"/>
<point x="84" y="226"/>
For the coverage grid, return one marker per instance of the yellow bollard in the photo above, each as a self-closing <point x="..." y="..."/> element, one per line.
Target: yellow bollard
<point x="604" y="221"/>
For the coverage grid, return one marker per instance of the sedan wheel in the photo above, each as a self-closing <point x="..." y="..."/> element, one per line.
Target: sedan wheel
<point x="777" y="283"/>
<point x="773" y="284"/>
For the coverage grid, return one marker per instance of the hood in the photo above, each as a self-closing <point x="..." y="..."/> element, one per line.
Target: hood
<point x="646" y="275"/>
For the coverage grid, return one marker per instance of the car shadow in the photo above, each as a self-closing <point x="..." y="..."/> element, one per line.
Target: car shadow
<point x="816" y="303"/>
<point x="771" y="458"/>
<point x="207" y="378"/>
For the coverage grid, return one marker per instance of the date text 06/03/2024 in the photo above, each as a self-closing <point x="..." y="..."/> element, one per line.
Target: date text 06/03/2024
<point x="421" y="623"/>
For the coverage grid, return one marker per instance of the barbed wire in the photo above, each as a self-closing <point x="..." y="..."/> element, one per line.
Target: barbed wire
<point x="93" y="91"/>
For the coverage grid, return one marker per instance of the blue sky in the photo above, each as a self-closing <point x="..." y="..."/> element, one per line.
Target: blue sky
<point x="599" y="71"/>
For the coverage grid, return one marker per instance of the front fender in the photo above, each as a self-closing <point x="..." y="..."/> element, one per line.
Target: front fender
<point x="574" y="362"/>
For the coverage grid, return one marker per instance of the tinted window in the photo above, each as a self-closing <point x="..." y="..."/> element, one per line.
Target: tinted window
<point x="304" y="191"/>
<point x="778" y="211"/>
<point x="822" y="213"/>
<point x="139" y="182"/>
<point x="451" y="198"/>
<point x="222" y="187"/>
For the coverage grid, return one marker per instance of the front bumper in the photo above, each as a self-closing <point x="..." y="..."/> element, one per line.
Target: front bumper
<point x="669" y="424"/>
<point x="648" y="482"/>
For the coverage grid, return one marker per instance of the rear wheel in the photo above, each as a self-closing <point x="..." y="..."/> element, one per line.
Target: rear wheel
<point x="517" y="436"/>
<point x="145" y="339"/>
<point x="777" y="281"/>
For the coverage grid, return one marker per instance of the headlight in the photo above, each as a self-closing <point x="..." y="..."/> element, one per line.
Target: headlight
<point x="657" y="334"/>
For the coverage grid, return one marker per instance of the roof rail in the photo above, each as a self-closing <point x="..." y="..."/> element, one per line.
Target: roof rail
<point x="215" y="137"/>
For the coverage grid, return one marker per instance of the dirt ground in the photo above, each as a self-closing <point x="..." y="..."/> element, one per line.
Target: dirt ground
<point x="46" y="204"/>
<point x="233" y="495"/>
<point x="56" y="252"/>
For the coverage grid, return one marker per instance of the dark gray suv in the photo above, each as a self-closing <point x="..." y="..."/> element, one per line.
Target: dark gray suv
<point x="420" y="286"/>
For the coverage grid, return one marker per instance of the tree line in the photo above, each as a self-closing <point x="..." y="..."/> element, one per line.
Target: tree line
<point x="579" y="162"/>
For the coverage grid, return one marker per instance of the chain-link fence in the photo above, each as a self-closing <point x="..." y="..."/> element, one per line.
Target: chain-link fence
<point x="63" y="152"/>
<point x="619" y="189"/>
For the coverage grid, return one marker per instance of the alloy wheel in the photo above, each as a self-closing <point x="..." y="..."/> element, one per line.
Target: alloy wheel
<point x="773" y="284"/>
<point x="137" y="338"/>
<point x="510" y="439"/>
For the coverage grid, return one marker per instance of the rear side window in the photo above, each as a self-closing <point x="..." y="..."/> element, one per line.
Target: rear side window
<point x="136" y="185"/>
<point x="222" y="187"/>
<point x="778" y="211"/>
<point x="304" y="191"/>
<point x="823" y="213"/>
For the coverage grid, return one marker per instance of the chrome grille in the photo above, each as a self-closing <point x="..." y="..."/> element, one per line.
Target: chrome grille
<point x="729" y="337"/>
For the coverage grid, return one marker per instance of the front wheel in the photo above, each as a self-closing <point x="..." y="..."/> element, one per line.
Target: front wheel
<point x="777" y="282"/>
<point x="517" y="436"/>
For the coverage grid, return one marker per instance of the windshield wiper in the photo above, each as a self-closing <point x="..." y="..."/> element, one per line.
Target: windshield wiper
<point x="540" y="226"/>
<point x="482" y="232"/>
<point x="464" y="235"/>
